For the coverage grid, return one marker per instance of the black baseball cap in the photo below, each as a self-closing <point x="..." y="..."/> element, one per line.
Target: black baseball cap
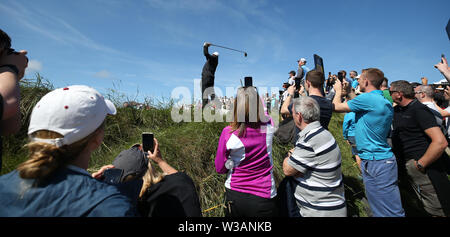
<point x="132" y="161"/>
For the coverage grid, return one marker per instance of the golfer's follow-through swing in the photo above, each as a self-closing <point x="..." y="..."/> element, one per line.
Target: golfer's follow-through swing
<point x="209" y="70"/>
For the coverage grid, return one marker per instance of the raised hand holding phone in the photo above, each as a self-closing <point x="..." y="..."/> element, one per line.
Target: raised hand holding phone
<point x="443" y="67"/>
<point x="155" y="154"/>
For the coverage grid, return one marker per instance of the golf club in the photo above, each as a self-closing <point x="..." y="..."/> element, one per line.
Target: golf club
<point x="245" y="54"/>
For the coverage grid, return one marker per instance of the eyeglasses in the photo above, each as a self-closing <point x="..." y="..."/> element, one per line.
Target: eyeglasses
<point x="392" y="92"/>
<point x="418" y="92"/>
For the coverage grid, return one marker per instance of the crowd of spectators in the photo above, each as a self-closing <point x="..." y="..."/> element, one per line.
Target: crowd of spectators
<point x="397" y="133"/>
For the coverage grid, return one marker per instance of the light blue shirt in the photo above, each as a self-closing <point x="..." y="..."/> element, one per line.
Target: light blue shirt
<point x="305" y="70"/>
<point x="355" y="83"/>
<point x="348" y="126"/>
<point x="373" y="117"/>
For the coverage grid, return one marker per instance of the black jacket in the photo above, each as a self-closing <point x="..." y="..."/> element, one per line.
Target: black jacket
<point x="174" y="196"/>
<point x="209" y="69"/>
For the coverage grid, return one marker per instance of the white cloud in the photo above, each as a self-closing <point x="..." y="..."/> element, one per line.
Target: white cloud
<point x="102" y="74"/>
<point x="34" y="65"/>
<point x="53" y="27"/>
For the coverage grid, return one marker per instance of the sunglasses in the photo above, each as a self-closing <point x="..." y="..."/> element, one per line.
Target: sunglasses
<point x="392" y="92"/>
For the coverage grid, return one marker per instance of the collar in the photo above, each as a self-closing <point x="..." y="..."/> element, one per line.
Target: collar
<point x="377" y="92"/>
<point x="407" y="106"/>
<point x="78" y="170"/>
<point x="309" y="127"/>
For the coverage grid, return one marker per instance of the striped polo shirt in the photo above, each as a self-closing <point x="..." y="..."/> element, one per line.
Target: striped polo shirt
<point x="320" y="192"/>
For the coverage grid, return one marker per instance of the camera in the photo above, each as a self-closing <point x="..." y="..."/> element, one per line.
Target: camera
<point x="11" y="51"/>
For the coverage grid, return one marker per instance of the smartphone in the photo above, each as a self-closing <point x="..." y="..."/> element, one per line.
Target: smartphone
<point x="248" y="81"/>
<point x="340" y="76"/>
<point x="113" y="176"/>
<point x="318" y="62"/>
<point x="147" y="142"/>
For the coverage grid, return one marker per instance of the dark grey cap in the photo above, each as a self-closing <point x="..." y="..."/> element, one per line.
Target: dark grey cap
<point x="132" y="161"/>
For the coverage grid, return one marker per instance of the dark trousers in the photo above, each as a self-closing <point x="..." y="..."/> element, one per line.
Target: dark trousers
<point x="287" y="203"/>
<point x="207" y="82"/>
<point x="247" y="205"/>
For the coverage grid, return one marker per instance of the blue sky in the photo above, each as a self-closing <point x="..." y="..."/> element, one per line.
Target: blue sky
<point x="146" y="48"/>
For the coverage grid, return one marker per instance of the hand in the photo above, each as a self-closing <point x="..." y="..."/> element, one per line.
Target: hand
<point x="348" y="142"/>
<point x="302" y="90"/>
<point x="421" y="170"/>
<point x="291" y="90"/>
<point x="18" y="59"/>
<point x="358" y="161"/>
<point x="156" y="154"/>
<point x="337" y="86"/>
<point x="442" y="66"/>
<point x="207" y="44"/>
<point x="99" y="174"/>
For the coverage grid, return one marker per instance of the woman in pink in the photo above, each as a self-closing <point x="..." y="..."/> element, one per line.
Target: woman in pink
<point x="244" y="154"/>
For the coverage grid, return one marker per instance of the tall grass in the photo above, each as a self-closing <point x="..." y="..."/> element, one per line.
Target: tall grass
<point x="188" y="147"/>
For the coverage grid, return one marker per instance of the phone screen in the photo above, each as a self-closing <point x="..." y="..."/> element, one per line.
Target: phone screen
<point x="147" y="141"/>
<point x="113" y="175"/>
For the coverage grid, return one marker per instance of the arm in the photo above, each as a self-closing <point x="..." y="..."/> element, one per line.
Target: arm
<point x="300" y="73"/>
<point x="444" y="113"/>
<point x="289" y="170"/>
<point x="205" y="50"/>
<point x="157" y="158"/>
<point x="287" y="102"/>
<point x="436" y="147"/>
<point x="10" y="90"/>
<point x="338" y="105"/>
<point x="221" y="155"/>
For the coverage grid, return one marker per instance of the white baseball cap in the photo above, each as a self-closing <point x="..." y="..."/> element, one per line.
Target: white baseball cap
<point x="74" y="112"/>
<point x="302" y="60"/>
<point x="216" y="53"/>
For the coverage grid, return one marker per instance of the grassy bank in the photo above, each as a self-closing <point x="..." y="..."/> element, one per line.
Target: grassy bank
<point x="189" y="147"/>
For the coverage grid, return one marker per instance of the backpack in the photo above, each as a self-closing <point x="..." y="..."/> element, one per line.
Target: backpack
<point x="287" y="131"/>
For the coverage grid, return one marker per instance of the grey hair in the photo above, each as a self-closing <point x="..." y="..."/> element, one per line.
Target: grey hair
<point x="427" y="90"/>
<point x="308" y="107"/>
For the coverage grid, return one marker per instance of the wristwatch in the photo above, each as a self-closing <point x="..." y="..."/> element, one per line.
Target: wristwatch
<point x="13" y="67"/>
<point x="420" y="167"/>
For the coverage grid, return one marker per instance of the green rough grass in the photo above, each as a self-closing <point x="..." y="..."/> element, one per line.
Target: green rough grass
<point x="188" y="147"/>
